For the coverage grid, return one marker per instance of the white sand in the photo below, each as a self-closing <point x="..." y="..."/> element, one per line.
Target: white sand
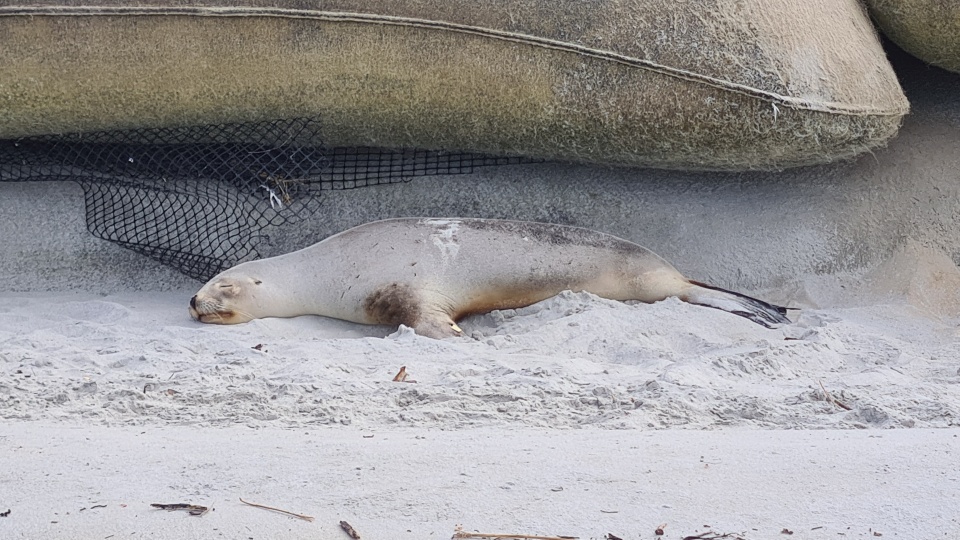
<point x="572" y="361"/>
<point x="124" y="400"/>
<point x="419" y="483"/>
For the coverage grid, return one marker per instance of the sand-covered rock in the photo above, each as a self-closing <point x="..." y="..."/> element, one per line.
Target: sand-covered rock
<point x="756" y="84"/>
<point x="927" y="29"/>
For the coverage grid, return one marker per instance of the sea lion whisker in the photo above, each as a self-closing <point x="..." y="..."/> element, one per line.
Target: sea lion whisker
<point x="247" y="314"/>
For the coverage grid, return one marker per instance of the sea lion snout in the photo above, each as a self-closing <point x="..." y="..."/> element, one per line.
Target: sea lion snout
<point x="218" y="304"/>
<point x="194" y="313"/>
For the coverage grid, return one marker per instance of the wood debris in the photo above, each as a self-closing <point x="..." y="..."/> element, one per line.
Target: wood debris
<point x="458" y="532"/>
<point x="272" y="509"/>
<point x="401" y="376"/>
<point x="347" y="528"/>
<point x="831" y="399"/>
<point x="192" y="509"/>
<point x="710" y="535"/>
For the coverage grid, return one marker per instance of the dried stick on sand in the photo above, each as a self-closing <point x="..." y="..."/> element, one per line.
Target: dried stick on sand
<point x="402" y="376"/>
<point x="351" y="532"/>
<point x="460" y="533"/>
<point x="192" y="509"/>
<point x="301" y="516"/>
<point x="832" y="400"/>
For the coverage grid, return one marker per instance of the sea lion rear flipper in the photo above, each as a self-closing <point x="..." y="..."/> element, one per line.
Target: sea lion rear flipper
<point x="758" y="311"/>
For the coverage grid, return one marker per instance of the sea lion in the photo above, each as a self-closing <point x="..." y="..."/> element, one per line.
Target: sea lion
<point x="428" y="273"/>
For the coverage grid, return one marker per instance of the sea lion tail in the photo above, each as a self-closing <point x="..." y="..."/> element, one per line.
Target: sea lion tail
<point x="758" y="311"/>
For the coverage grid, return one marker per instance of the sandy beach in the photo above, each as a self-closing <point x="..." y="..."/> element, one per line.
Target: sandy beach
<point x="418" y="483"/>
<point x="576" y="416"/>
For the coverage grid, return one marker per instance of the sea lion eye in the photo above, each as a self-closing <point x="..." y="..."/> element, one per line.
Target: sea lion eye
<point x="257" y="282"/>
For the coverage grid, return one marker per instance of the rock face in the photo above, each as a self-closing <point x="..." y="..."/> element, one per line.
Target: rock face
<point x="927" y="29"/>
<point x="705" y="84"/>
<point x="924" y="278"/>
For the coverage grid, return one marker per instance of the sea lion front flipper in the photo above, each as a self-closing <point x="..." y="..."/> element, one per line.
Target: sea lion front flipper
<point x="437" y="326"/>
<point x="401" y="303"/>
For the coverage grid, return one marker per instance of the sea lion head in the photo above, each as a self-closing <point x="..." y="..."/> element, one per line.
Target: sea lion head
<point x="226" y="299"/>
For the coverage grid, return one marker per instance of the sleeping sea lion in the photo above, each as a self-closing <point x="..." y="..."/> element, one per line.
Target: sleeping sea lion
<point x="428" y="273"/>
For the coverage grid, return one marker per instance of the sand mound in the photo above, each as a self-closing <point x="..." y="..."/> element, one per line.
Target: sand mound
<point x="572" y="361"/>
<point x="924" y="278"/>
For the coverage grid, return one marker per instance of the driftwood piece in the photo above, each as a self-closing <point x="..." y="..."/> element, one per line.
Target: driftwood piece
<point x="833" y="400"/>
<point x="272" y="509"/>
<point x="460" y="533"/>
<point x="192" y="509"/>
<point x="347" y="528"/>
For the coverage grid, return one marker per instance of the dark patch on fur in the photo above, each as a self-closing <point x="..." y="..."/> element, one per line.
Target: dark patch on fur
<point x="558" y="235"/>
<point x="393" y="304"/>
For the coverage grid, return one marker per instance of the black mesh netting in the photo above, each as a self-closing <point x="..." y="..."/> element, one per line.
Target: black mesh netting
<point x="197" y="198"/>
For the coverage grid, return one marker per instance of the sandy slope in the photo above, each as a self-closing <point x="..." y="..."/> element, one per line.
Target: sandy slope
<point x="572" y="361"/>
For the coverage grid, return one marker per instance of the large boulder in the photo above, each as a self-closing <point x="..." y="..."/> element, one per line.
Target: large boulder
<point x="698" y="84"/>
<point x="927" y="29"/>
